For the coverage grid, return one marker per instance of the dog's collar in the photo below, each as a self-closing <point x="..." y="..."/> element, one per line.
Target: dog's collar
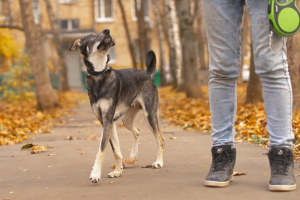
<point x="96" y="73"/>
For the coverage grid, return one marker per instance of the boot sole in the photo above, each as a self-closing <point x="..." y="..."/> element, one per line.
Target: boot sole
<point x="282" y="187"/>
<point x="218" y="183"/>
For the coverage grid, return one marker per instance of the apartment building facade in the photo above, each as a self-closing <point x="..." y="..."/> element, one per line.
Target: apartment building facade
<point x="78" y="18"/>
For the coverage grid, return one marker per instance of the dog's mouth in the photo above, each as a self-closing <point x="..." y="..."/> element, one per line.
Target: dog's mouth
<point x="106" y="42"/>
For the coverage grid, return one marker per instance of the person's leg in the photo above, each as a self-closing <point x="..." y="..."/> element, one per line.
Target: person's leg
<point x="272" y="67"/>
<point x="222" y="19"/>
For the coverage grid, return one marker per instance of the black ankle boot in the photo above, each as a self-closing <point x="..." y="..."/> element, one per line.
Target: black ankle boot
<point x="282" y="169"/>
<point x="221" y="170"/>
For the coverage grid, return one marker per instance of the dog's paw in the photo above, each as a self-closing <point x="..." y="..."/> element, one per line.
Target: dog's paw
<point x="114" y="174"/>
<point x="95" y="176"/>
<point x="157" y="165"/>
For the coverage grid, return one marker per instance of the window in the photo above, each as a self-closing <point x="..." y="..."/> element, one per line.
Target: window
<point x="67" y="1"/>
<point x="146" y="9"/>
<point x="69" y="24"/>
<point x="104" y="10"/>
<point x="36" y="11"/>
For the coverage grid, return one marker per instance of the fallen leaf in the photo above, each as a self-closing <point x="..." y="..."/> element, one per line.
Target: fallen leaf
<point x="147" y="166"/>
<point x="27" y="146"/>
<point x="97" y="122"/>
<point x="82" y="153"/>
<point x="25" y="170"/>
<point x="50" y="166"/>
<point x="111" y="182"/>
<point x="39" y="149"/>
<point x="71" y="138"/>
<point x="173" y="138"/>
<point x="121" y="125"/>
<point x="51" y="154"/>
<point x="239" y="173"/>
<point x="91" y="137"/>
<point x="129" y="161"/>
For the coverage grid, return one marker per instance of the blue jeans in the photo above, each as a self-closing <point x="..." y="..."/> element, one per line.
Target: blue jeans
<point x="222" y="19"/>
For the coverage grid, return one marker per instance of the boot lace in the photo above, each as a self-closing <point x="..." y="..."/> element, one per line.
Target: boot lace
<point x="220" y="161"/>
<point x="280" y="164"/>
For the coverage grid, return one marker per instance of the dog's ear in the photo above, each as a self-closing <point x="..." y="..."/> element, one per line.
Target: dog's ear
<point x="112" y="43"/>
<point x="77" y="43"/>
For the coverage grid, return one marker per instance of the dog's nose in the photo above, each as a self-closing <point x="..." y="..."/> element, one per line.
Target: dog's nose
<point x="106" y="31"/>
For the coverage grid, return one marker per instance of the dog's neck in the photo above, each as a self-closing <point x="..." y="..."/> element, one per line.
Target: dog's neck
<point x="98" y="61"/>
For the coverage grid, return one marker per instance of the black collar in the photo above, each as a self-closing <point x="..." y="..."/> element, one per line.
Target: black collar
<point x="96" y="73"/>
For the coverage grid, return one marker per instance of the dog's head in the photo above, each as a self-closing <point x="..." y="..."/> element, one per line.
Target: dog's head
<point x="94" y="47"/>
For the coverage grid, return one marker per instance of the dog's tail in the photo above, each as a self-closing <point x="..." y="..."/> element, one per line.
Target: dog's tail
<point x="151" y="64"/>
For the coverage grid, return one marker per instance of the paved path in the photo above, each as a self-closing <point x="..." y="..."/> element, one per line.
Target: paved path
<point x="187" y="159"/>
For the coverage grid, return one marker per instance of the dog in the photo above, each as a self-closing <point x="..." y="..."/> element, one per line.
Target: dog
<point x="118" y="93"/>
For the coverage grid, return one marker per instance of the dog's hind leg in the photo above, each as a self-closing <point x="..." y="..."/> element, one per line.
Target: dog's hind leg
<point x="128" y="121"/>
<point x="151" y="114"/>
<point x="114" y="141"/>
<point x="153" y="122"/>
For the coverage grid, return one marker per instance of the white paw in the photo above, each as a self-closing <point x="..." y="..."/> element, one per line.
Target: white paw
<point x="95" y="175"/>
<point x="115" y="174"/>
<point x="157" y="165"/>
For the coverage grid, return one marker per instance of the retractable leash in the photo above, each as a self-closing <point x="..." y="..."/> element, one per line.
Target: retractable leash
<point x="284" y="18"/>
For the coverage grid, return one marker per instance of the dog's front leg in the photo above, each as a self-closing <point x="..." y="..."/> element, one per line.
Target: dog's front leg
<point x="105" y="137"/>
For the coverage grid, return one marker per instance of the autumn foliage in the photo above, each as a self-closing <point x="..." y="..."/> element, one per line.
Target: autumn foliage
<point x="193" y="114"/>
<point x="19" y="119"/>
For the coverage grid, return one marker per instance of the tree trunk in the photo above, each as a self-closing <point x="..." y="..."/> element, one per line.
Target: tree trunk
<point x="46" y="98"/>
<point x="254" y="88"/>
<point x="59" y="49"/>
<point x="160" y="34"/>
<point x="293" y="50"/>
<point x="130" y="46"/>
<point x="175" y="51"/>
<point x="142" y="31"/>
<point x="192" y="83"/>
<point x="201" y="38"/>
<point x="245" y="40"/>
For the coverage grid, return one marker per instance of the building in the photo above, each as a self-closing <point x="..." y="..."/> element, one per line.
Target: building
<point x="78" y="18"/>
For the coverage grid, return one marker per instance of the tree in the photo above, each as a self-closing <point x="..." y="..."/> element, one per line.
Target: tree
<point x="46" y="98"/>
<point x="201" y="37"/>
<point x="160" y="33"/>
<point x="175" y="51"/>
<point x="293" y="50"/>
<point x="130" y="46"/>
<point x="57" y="42"/>
<point x="192" y="84"/>
<point x="245" y="39"/>
<point x="142" y="30"/>
<point x="254" y="88"/>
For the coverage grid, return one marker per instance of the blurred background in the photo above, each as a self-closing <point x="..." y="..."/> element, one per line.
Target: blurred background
<point x="35" y="36"/>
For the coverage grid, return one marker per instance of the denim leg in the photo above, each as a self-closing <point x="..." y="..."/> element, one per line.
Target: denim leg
<point x="272" y="68"/>
<point x="222" y="19"/>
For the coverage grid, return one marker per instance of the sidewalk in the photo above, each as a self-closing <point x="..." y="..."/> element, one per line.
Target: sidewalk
<point x="187" y="160"/>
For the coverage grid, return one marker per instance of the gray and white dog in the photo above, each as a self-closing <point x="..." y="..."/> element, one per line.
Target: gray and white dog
<point x="116" y="93"/>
